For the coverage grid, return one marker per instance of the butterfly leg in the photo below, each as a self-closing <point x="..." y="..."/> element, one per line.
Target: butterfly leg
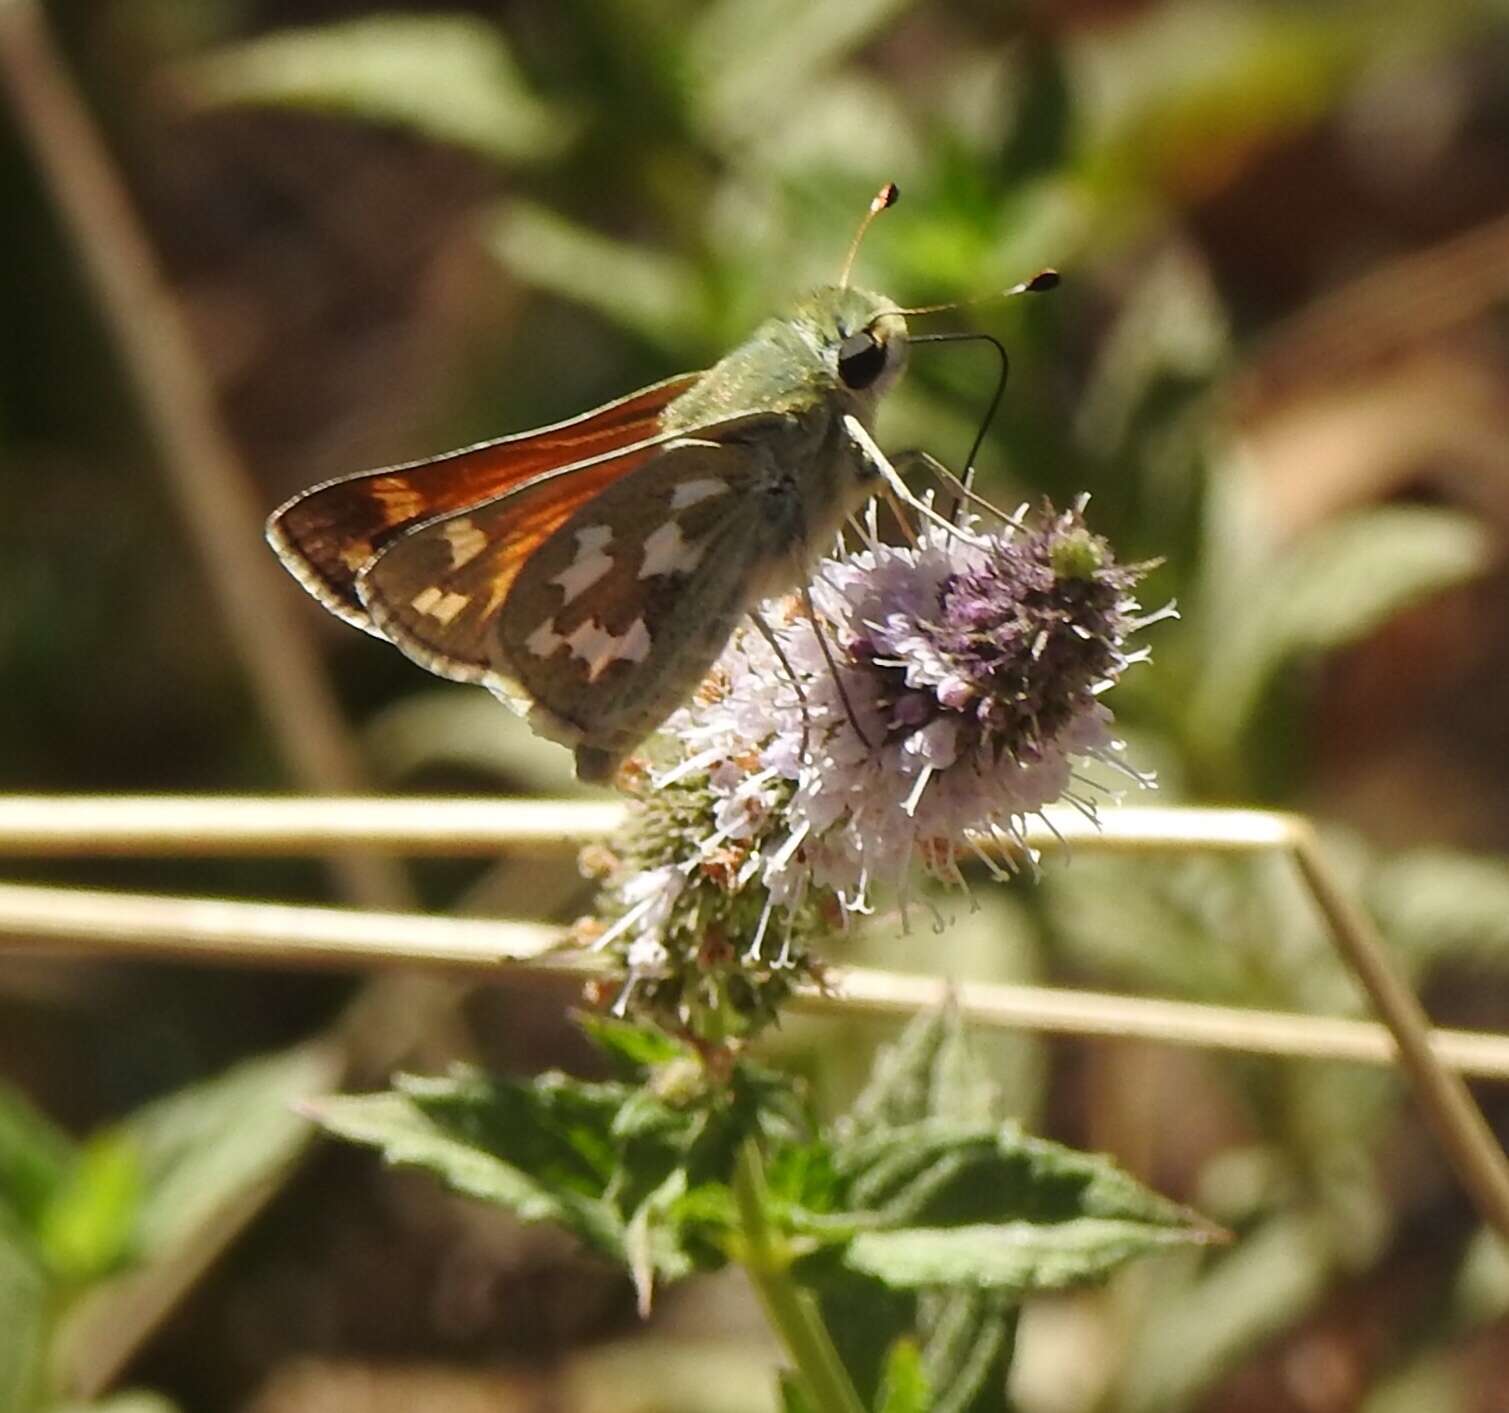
<point x="905" y="460"/>
<point x="880" y="464"/>
<point x="838" y="681"/>
<point x="768" y="633"/>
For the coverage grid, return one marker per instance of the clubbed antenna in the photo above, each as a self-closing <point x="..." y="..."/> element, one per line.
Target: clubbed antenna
<point x="1040" y="283"/>
<point x="886" y="196"/>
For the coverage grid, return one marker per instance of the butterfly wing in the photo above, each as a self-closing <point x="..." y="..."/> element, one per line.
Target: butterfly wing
<point x="595" y="603"/>
<point x="327" y="535"/>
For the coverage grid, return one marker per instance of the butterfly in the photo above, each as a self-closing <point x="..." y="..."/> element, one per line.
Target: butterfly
<point x="590" y="572"/>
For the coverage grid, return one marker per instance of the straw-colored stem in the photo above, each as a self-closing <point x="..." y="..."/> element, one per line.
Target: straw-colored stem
<point x="288" y="826"/>
<point x="37" y="825"/>
<point x="204" y="473"/>
<point x="223" y="932"/>
<point x="1458" y="1122"/>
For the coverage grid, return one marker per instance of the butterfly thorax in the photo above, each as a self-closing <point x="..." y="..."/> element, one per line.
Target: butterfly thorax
<point x="790" y="364"/>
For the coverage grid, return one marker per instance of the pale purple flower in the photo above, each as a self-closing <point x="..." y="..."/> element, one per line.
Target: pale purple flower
<point x="969" y="669"/>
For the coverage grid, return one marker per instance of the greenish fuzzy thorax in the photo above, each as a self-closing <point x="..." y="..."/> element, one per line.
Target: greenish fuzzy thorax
<point x="790" y="363"/>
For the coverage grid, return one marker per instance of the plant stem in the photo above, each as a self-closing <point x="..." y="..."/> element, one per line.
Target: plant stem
<point x="204" y="472"/>
<point x="792" y="1311"/>
<point x="1443" y="1096"/>
<point x="230" y="932"/>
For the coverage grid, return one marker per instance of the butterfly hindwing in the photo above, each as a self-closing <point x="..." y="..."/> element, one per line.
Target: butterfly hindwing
<point x="329" y="534"/>
<point x="612" y="623"/>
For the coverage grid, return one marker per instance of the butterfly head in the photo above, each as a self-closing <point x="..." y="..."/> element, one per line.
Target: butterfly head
<point x="859" y="339"/>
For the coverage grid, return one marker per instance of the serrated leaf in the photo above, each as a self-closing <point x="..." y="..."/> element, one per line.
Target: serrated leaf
<point x="409" y="1137"/>
<point x="904" y="1387"/>
<point x="36" y="1156"/>
<point x="639" y="1046"/>
<point x="1017" y="1258"/>
<point x="930" y="1071"/>
<point x="557" y="1129"/>
<point x="448" y="77"/>
<point x="900" y="1082"/>
<point x="989" y="1172"/>
<point x="928" y="1084"/>
<point x="969" y="1338"/>
<point x="650" y="1239"/>
<point x="1334" y="585"/>
<point x="640" y="1179"/>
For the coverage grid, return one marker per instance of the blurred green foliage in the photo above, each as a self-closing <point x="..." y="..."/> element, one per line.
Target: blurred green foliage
<point x="647" y="180"/>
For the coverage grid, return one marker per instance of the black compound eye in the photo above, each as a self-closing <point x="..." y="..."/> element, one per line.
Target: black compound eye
<point x="861" y="359"/>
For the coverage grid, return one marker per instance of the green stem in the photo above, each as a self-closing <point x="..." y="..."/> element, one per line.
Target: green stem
<point x="790" y="1309"/>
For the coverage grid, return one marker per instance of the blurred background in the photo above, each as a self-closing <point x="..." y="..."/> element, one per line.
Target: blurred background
<point x="1279" y="363"/>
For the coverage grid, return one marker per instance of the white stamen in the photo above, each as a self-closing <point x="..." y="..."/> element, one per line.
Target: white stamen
<point x="753" y="954"/>
<point x="909" y="805"/>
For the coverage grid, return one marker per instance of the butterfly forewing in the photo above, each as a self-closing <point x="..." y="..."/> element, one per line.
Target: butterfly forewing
<point x="436" y="592"/>
<point x="329" y="534"/>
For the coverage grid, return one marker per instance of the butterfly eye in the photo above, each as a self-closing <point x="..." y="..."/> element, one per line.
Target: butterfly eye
<point x="861" y="359"/>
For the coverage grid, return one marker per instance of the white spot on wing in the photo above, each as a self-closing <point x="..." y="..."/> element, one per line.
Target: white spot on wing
<point x="544" y="641"/>
<point x="467" y="541"/>
<point x="600" y="649"/>
<point x="690" y="492"/>
<point x="590" y="563"/>
<point x="434" y="602"/>
<point x="666" y="552"/>
<point x="449" y="606"/>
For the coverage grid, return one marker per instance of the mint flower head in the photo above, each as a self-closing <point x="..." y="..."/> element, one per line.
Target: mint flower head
<point x="964" y="684"/>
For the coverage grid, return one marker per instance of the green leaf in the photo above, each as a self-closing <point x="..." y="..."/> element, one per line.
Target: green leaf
<point x="939" y="1170"/>
<point x="756" y="61"/>
<point x="653" y="295"/>
<point x="931" y="1073"/>
<point x="213" y="1145"/>
<point x="931" y="1070"/>
<point x="447" y="77"/>
<point x="36" y="1157"/>
<point x="793" y="1397"/>
<point x="900" y="1084"/>
<point x="132" y="1401"/>
<point x="439" y="1140"/>
<point x="638" y="1046"/>
<point x="1018" y="1258"/>
<point x="970" y="1336"/>
<point x="25" y="1295"/>
<point x="88" y="1228"/>
<point x="904" y="1388"/>
<point x="1438" y="904"/>
<point x="1335" y="585"/>
<point x="557" y="1129"/>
